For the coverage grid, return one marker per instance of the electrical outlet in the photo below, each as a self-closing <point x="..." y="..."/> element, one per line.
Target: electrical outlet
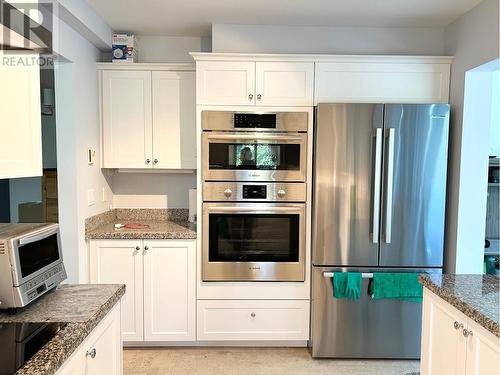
<point x="90" y="197"/>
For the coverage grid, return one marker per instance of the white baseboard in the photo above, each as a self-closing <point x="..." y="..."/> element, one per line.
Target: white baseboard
<point x="260" y="344"/>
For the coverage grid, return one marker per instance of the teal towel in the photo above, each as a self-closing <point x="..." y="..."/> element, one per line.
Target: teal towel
<point x="347" y="285"/>
<point x="403" y="286"/>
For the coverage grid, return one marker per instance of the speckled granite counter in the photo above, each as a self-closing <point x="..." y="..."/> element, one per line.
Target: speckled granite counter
<point x="477" y="296"/>
<point x="81" y="306"/>
<point x="163" y="224"/>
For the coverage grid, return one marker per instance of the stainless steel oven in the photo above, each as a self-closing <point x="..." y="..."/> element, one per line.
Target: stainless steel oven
<point x="245" y="146"/>
<point x="260" y="240"/>
<point x="31" y="262"/>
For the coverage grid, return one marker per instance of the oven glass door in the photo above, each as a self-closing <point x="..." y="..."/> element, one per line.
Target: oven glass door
<point x="254" y="241"/>
<point x="255" y="157"/>
<point x="34" y="255"/>
<point x="253" y="237"/>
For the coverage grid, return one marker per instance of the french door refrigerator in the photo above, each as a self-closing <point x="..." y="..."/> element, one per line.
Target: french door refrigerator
<point x="378" y="206"/>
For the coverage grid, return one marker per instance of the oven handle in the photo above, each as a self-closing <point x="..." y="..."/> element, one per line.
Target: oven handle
<point x="294" y="209"/>
<point x="37" y="237"/>
<point x="256" y="137"/>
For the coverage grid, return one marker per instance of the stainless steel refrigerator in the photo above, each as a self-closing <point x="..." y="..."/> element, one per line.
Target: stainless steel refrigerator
<point x="378" y="206"/>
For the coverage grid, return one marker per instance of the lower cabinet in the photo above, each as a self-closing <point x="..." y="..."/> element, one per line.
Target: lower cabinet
<point x="160" y="279"/>
<point x="247" y="320"/>
<point x="454" y="344"/>
<point x="101" y="352"/>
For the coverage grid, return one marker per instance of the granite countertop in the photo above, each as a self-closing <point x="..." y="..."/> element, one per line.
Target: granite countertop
<point x="163" y="224"/>
<point x="157" y="230"/>
<point x="82" y="307"/>
<point x="476" y="296"/>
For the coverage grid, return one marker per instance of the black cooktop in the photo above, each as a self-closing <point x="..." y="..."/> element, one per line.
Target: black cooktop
<point x="21" y="341"/>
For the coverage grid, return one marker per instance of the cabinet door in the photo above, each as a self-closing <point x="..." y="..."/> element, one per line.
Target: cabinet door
<point x="20" y="118"/>
<point x="284" y="83"/>
<point x="443" y="346"/>
<point x="174" y="120"/>
<point x="225" y="83"/>
<point x="126" y="119"/>
<point x="120" y="262"/>
<point x="169" y="290"/>
<point x="74" y="365"/>
<point x="483" y="351"/>
<point x="103" y="350"/>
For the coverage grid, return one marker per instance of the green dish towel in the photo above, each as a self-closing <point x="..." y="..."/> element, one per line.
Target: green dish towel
<point x="403" y="286"/>
<point x="347" y="285"/>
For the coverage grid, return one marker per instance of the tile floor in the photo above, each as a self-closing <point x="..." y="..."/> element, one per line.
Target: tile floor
<point x="251" y="361"/>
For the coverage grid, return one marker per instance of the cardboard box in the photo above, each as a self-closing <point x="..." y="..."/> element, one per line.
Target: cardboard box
<point x="124" y="48"/>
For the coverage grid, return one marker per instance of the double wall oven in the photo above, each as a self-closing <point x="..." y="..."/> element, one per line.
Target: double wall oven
<point x="254" y="194"/>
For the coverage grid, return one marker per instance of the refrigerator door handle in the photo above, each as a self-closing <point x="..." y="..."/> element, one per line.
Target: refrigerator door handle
<point x="376" y="182"/>
<point x="389" y="184"/>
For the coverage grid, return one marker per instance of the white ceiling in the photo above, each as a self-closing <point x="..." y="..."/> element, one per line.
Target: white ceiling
<point x="194" y="17"/>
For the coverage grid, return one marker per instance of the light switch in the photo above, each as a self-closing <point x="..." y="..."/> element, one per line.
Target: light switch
<point x="90" y="197"/>
<point x="90" y="156"/>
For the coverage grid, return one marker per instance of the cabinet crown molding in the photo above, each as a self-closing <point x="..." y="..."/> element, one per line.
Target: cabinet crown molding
<point x="209" y="56"/>
<point x="186" y="67"/>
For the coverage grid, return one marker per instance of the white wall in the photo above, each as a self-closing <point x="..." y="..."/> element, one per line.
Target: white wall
<point x="152" y="190"/>
<point x="170" y="49"/>
<point x="473" y="40"/>
<point x="334" y="40"/>
<point x="77" y="129"/>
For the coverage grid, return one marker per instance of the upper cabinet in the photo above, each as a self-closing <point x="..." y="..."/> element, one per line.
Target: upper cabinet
<point x="383" y="80"/>
<point x="148" y="118"/>
<point x="255" y="83"/>
<point x="307" y="80"/>
<point x="21" y="119"/>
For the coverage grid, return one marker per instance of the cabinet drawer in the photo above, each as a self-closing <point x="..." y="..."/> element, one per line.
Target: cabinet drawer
<point x="253" y="320"/>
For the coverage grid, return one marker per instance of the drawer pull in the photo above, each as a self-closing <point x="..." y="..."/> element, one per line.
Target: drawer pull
<point x="252" y="315"/>
<point x="91" y="353"/>
<point x="458" y="325"/>
<point x="467" y="333"/>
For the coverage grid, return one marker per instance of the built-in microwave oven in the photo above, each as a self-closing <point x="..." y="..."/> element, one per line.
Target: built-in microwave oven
<point x="31" y="262"/>
<point x="248" y="146"/>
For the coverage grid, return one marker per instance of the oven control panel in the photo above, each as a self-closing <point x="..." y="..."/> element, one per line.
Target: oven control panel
<point x="256" y="192"/>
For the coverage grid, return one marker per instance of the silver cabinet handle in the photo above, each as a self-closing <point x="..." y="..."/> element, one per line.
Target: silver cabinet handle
<point x="259" y="97"/>
<point x="155" y="161"/>
<point x="228" y="192"/>
<point x="148" y="161"/>
<point x="146" y="248"/>
<point x="458" y="325"/>
<point x="91" y="353"/>
<point x="281" y="193"/>
<point x="467" y="333"/>
<point x="252" y="315"/>
<point x="377" y="164"/>
<point x="250" y="96"/>
<point x="137" y="248"/>
<point x="389" y="182"/>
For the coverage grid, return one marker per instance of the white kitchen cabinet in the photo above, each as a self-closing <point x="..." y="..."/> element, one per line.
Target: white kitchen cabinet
<point x="169" y="290"/>
<point x="382" y="80"/>
<point x="284" y="83"/>
<point x="174" y="120"/>
<point x="160" y="280"/>
<point x="148" y="118"/>
<point x="483" y="351"/>
<point x="127" y="126"/>
<point x="121" y="262"/>
<point x="20" y="124"/>
<point x="225" y="83"/>
<point x="101" y="352"/>
<point x="448" y="347"/>
<point x="246" y="320"/>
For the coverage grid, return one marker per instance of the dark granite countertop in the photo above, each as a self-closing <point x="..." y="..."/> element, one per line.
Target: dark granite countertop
<point x="163" y="224"/>
<point x="81" y="306"/>
<point x="476" y="296"/>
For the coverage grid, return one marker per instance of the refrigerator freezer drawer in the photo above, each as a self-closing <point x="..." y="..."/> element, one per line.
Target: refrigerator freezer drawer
<point x="365" y="328"/>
